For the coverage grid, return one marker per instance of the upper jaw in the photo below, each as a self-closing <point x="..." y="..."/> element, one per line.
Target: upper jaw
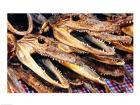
<point x="100" y="27"/>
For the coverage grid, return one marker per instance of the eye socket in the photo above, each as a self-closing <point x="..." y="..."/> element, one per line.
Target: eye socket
<point x="75" y="18"/>
<point x="41" y="40"/>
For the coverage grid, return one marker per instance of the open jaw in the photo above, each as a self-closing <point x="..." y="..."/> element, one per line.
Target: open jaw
<point x="27" y="60"/>
<point x="64" y="36"/>
<point x="112" y="72"/>
<point x="110" y="37"/>
<point x="49" y="49"/>
<point x="105" y="31"/>
<point x="123" y="43"/>
<point x="23" y="53"/>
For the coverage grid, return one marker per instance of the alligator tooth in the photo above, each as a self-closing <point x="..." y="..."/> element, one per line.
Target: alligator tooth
<point x="130" y="21"/>
<point x="87" y="44"/>
<point x="113" y="47"/>
<point x="112" y="32"/>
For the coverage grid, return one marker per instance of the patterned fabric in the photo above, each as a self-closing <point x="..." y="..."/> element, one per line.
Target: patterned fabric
<point x="126" y="87"/>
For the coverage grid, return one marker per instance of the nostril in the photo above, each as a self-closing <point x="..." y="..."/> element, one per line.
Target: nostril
<point x="41" y="40"/>
<point x="75" y="18"/>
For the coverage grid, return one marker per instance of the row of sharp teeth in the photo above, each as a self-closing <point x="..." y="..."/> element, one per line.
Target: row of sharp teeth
<point x="108" y="74"/>
<point x="54" y="59"/>
<point x="82" y="52"/>
<point x="89" y="45"/>
<point x="103" y="42"/>
<point x="122" y="40"/>
<point x="55" y="80"/>
<point x="88" y="31"/>
<point x="86" y="44"/>
<point x="125" y="42"/>
<point x="100" y="41"/>
<point x="82" y="30"/>
<point x="96" y="38"/>
<point x="61" y="61"/>
<point x="127" y="22"/>
<point x="59" y="73"/>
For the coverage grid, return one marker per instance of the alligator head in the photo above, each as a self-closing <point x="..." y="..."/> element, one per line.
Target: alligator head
<point x="49" y="47"/>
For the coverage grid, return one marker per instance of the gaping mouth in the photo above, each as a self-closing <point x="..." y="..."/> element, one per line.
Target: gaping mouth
<point x="71" y="52"/>
<point x="112" y="72"/>
<point x="65" y="37"/>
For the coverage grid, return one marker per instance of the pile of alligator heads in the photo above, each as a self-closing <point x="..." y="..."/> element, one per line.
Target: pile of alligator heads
<point x="59" y="52"/>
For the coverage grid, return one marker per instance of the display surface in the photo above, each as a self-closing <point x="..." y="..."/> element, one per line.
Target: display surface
<point x="70" y="53"/>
